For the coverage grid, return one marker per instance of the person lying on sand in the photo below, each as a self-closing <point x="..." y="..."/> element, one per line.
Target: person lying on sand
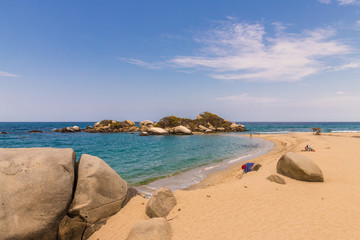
<point x="247" y="167"/>
<point x="308" y="149"/>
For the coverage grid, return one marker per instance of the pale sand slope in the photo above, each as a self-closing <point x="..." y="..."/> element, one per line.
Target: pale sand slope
<point x="226" y="207"/>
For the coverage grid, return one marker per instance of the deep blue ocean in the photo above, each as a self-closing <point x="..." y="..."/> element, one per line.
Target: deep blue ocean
<point x="184" y="160"/>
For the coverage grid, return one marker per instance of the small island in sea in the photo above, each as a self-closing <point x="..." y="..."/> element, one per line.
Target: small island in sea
<point x="205" y="122"/>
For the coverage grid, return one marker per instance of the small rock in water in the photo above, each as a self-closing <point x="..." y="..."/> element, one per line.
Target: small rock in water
<point x="35" y="131"/>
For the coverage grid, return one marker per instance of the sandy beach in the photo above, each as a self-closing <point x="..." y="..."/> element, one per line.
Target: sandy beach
<point x="225" y="206"/>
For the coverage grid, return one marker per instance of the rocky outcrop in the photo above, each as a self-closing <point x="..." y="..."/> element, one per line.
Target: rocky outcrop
<point x="145" y="125"/>
<point x="35" y="131"/>
<point x="181" y="130"/>
<point x="204" y="129"/>
<point x="95" y="198"/>
<point x="204" y="122"/>
<point x="275" y="178"/>
<point x="237" y="127"/>
<point x="68" y="129"/>
<point x="152" y="229"/>
<point x="157" y="131"/>
<point x="161" y="203"/>
<point x="111" y="126"/>
<point x="130" y="123"/>
<point x="143" y="134"/>
<point x="36" y="191"/>
<point x="299" y="167"/>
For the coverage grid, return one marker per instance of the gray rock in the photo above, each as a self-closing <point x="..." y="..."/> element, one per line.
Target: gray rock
<point x="202" y="128"/>
<point x="161" y="203"/>
<point x="36" y="191"/>
<point x="145" y="125"/>
<point x="143" y="134"/>
<point x="71" y="228"/>
<point x="299" y="167"/>
<point x="181" y="130"/>
<point x="76" y="129"/>
<point x="152" y="229"/>
<point x="100" y="191"/>
<point x="275" y="178"/>
<point x="157" y="131"/>
<point x="129" y="122"/>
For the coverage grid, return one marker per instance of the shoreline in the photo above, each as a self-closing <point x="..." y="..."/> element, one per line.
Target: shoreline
<point x="180" y="180"/>
<point x="212" y="179"/>
<point x="223" y="206"/>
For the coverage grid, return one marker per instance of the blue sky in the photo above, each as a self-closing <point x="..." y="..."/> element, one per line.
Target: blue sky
<point x="278" y="60"/>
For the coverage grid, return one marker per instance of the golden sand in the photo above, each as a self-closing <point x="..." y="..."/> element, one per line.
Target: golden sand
<point x="225" y="206"/>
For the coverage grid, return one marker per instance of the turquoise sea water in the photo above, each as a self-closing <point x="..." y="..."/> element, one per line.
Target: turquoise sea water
<point x="140" y="160"/>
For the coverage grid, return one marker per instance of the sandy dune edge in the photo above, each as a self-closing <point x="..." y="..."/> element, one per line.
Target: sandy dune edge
<point x="226" y="207"/>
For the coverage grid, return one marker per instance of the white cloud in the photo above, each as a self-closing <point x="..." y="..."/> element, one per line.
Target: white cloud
<point x="142" y="63"/>
<point x="325" y="1"/>
<point x="6" y="74"/>
<point x="340" y="93"/>
<point x="245" y="98"/>
<point x="347" y="66"/>
<point x="241" y="51"/>
<point x="349" y="2"/>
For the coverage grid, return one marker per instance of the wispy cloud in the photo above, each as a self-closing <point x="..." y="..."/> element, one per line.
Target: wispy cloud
<point x="349" y="2"/>
<point x="240" y="51"/>
<point x="142" y="63"/>
<point x="346" y="66"/>
<point x="338" y="99"/>
<point x="7" y="74"/>
<point x="246" y="98"/>
<point x="342" y="2"/>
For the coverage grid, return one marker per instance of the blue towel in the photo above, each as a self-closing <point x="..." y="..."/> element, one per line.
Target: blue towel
<point x="248" y="167"/>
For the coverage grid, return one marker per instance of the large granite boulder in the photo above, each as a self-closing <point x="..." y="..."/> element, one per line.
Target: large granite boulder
<point x="152" y="229"/>
<point x="145" y="125"/>
<point x="161" y="203"/>
<point x="181" y="130"/>
<point x="157" y="131"/>
<point x="100" y="191"/>
<point x="36" y="191"/>
<point x="299" y="167"/>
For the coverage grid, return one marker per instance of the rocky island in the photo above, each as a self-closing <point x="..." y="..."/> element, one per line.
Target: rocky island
<point x="205" y="122"/>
